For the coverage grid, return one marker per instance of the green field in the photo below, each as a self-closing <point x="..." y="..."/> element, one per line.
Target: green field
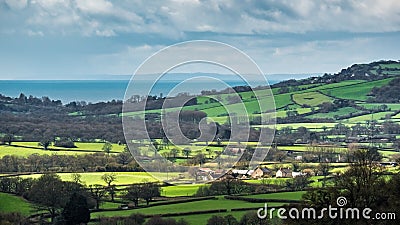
<point x="307" y="148"/>
<point x="378" y="105"/>
<point x="82" y="148"/>
<point x="336" y="85"/>
<point x="373" y="116"/>
<point x="180" y="190"/>
<point x="92" y="146"/>
<point x="219" y="203"/>
<point x="312" y="126"/>
<point x="24" y="152"/>
<point x="339" y="112"/>
<point x="311" y="98"/>
<point x="122" y="177"/>
<point x="11" y="203"/>
<point x="356" y="91"/>
<point x="201" y="219"/>
<point x="282" y="195"/>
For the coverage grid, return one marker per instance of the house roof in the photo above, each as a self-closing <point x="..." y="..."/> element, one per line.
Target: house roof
<point x="285" y="170"/>
<point x="241" y="172"/>
<point x="207" y="170"/>
<point x="265" y="170"/>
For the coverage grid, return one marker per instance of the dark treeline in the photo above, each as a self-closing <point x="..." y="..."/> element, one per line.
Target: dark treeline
<point x="68" y="163"/>
<point x="387" y="93"/>
<point x="370" y="71"/>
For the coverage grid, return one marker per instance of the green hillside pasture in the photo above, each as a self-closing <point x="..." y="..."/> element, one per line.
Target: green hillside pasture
<point x="305" y="148"/>
<point x="312" y="126"/>
<point x="122" y="177"/>
<point x="219" y="203"/>
<point x="282" y="100"/>
<point x="387" y="154"/>
<point x="336" y="85"/>
<point x="378" y="105"/>
<point x="194" y="150"/>
<point x="180" y="190"/>
<point x="248" y="95"/>
<point x="356" y="91"/>
<point x="396" y="117"/>
<point x="340" y="112"/>
<point x="269" y="180"/>
<point x="281" y="114"/>
<point x="219" y="119"/>
<point x="390" y="66"/>
<point x="300" y="111"/>
<point x="203" y="218"/>
<point x="250" y="107"/>
<point x="25" y="152"/>
<point x="91" y="146"/>
<point x="281" y="195"/>
<point x="311" y="98"/>
<point x="375" y="116"/>
<point x="11" y="203"/>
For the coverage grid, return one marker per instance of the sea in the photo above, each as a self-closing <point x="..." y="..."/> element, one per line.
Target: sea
<point x="93" y="91"/>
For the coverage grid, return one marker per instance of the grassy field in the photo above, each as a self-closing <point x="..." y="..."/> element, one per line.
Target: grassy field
<point x="307" y="148"/>
<point x="356" y="91"/>
<point x="92" y="146"/>
<point x="336" y="85"/>
<point x="312" y="126"/>
<point x="282" y="100"/>
<point x="11" y="203"/>
<point x="363" y="118"/>
<point x="82" y="148"/>
<point x="282" y="195"/>
<point x="24" y="152"/>
<point x="219" y="203"/>
<point x="203" y="218"/>
<point x="339" y="112"/>
<point x="180" y="190"/>
<point x="378" y="105"/>
<point x="122" y="177"/>
<point x="311" y="98"/>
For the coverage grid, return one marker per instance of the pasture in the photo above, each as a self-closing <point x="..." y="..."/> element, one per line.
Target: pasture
<point x="311" y="98"/>
<point x="123" y="178"/>
<point x="219" y="203"/>
<point x="11" y="203"/>
<point x="355" y="91"/>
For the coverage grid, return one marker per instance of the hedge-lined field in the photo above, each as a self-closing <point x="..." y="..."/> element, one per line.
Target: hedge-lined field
<point x="311" y="98"/>
<point x="122" y="177"/>
<point x="12" y="203"/>
<point x="356" y="91"/>
<point x="219" y="203"/>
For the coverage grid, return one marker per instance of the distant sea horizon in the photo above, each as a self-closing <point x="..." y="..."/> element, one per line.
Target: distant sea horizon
<point x="100" y="90"/>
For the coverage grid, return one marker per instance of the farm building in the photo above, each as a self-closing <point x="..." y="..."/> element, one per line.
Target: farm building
<point x="260" y="172"/>
<point x="284" y="173"/>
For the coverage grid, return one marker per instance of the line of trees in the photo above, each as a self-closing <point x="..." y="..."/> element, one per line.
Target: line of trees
<point x="101" y="162"/>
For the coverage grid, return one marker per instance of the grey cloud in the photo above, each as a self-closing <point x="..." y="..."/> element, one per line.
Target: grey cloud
<point x="175" y="18"/>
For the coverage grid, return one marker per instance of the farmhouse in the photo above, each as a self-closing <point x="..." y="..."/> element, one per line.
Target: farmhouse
<point x="284" y="173"/>
<point x="260" y="172"/>
<point x="296" y="174"/>
<point x="242" y="174"/>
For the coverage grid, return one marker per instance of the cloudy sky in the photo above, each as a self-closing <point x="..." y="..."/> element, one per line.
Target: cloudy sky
<point x="61" y="39"/>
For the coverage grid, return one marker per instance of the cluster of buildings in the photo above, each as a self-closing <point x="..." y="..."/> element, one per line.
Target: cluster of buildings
<point x="207" y="174"/>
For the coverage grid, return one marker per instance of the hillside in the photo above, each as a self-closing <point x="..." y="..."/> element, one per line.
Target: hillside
<point x="353" y="95"/>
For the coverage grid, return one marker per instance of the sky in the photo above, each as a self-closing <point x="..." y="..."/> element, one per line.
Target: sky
<point x="65" y="39"/>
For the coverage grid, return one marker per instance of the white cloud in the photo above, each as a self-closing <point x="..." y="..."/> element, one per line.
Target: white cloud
<point x="105" y="33"/>
<point x="95" y="6"/>
<point x="35" y="33"/>
<point x="16" y="4"/>
<point x="174" y="18"/>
